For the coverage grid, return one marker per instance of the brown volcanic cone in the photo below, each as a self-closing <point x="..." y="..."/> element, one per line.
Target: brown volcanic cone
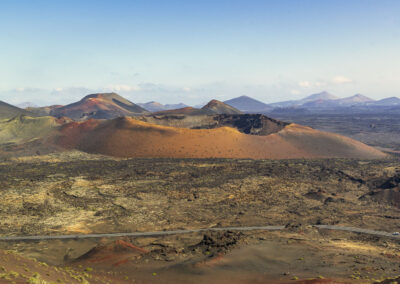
<point x="99" y="106"/>
<point x="127" y="137"/>
<point x="218" y="107"/>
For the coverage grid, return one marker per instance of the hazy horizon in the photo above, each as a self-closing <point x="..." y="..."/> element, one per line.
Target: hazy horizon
<point x="192" y="52"/>
<point x="198" y="104"/>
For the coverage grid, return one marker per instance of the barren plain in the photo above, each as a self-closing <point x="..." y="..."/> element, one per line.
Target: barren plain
<point x="78" y="193"/>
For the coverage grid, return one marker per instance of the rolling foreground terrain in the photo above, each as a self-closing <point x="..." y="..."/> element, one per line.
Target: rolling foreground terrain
<point x="76" y="193"/>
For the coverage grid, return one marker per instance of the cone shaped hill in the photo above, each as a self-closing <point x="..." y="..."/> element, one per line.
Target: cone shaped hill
<point x="99" y="106"/>
<point x="219" y="107"/>
<point x="233" y="136"/>
<point x="111" y="125"/>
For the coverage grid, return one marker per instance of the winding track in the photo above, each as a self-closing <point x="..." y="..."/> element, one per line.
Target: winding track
<point x="359" y="230"/>
<point x="175" y="232"/>
<point x="138" y="234"/>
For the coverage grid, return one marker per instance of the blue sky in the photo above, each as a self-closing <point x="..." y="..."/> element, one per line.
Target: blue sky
<point x="193" y="51"/>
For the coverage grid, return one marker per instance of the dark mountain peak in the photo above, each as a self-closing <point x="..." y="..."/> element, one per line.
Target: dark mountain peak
<point x="248" y="104"/>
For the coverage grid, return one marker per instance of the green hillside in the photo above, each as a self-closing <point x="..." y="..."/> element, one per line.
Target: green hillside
<point x="23" y="128"/>
<point x="10" y="111"/>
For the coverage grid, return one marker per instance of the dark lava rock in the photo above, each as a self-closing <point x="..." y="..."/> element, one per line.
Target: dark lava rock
<point x="391" y="182"/>
<point x="390" y="196"/>
<point x="217" y="241"/>
<point x="388" y="192"/>
<point x="316" y="195"/>
<point x="255" y="124"/>
<point x="334" y="200"/>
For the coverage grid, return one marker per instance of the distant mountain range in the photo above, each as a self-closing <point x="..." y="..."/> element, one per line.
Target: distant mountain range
<point x="323" y="99"/>
<point x="212" y="107"/>
<point x="112" y="105"/>
<point x="316" y="102"/>
<point x="156" y="106"/>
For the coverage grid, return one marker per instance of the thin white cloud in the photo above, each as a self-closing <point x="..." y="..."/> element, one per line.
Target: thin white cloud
<point x="305" y="84"/>
<point x="320" y="84"/>
<point x="22" y="90"/>
<point x="341" y="80"/>
<point x="337" y="80"/>
<point x="123" y="88"/>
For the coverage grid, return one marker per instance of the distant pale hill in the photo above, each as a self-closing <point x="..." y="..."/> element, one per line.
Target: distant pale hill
<point x="387" y="101"/>
<point x="156" y="106"/>
<point x="99" y="106"/>
<point x="212" y="107"/>
<point x="43" y="111"/>
<point x="319" y="96"/>
<point x="249" y="105"/>
<point x="152" y="106"/>
<point x="175" y="106"/>
<point x="357" y="98"/>
<point x="314" y="99"/>
<point x="26" y="105"/>
<point x="323" y="100"/>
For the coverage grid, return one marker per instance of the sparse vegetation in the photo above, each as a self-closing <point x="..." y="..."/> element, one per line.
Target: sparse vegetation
<point x="157" y="194"/>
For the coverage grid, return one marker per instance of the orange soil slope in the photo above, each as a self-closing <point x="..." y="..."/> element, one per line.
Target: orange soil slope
<point x="112" y="254"/>
<point x="127" y="137"/>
